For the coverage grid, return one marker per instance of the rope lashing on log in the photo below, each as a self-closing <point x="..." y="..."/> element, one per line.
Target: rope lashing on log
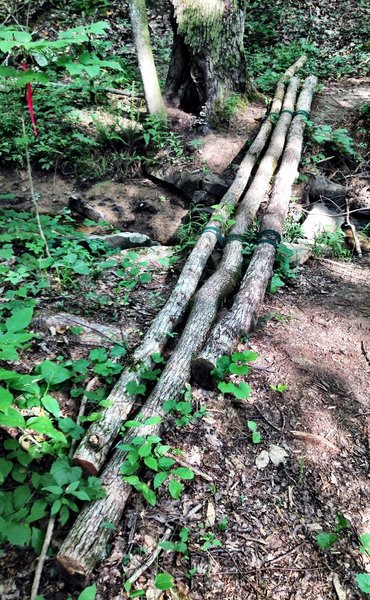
<point x="238" y="237"/>
<point x="87" y="455"/>
<point x="287" y="110"/>
<point x="268" y="236"/>
<point x="237" y="322"/>
<point x="217" y="231"/>
<point x="304" y="113"/>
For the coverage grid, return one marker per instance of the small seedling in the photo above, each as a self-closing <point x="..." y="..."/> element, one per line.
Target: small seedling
<point x="223" y="524"/>
<point x="210" y="541"/>
<point x="256" y="435"/>
<point x="280" y="387"/>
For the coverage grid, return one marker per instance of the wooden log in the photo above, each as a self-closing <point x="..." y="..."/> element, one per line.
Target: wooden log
<point x="85" y="544"/>
<point x="93" y="449"/>
<point x="237" y="321"/>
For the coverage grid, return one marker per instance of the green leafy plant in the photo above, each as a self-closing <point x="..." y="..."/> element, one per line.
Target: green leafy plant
<point x="209" y="541"/>
<point x="183" y="410"/>
<point x="326" y="539"/>
<point x="283" y="270"/>
<point x="181" y="546"/>
<point x="237" y="364"/>
<point x="280" y="387"/>
<point x="150" y="452"/>
<point x="163" y="581"/>
<point x="331" y="243"/>
<point x="256" y="435"/>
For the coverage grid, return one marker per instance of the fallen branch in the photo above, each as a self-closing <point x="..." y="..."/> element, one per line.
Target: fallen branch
<point x="237" y="322"/>
<point x="93" y="450"/>
<point x="86" y="542"/>
<point x="150" y="560"/>
<point x="41" y="559"/>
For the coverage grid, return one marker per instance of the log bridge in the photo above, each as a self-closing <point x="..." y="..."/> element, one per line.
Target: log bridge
<point x="204" y="339"/>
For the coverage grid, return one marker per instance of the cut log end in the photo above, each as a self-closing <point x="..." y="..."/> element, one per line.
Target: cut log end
<point x="72" y="568"/>
<point x="88" y="468"/>
<point x="201" y="371"/>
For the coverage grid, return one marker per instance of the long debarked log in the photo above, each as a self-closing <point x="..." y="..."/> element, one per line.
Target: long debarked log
<point x="237" y="322"/>
<point x="86" y="542"/>
<point x="92" y="451"/>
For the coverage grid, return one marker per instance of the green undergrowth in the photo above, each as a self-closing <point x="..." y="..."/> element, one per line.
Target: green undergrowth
<point x="337" y="45"/>
<point x="81" y="129"/>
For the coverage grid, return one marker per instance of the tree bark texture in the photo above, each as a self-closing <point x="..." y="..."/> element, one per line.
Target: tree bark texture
<point x="238" y="320"/>
<point x="207" y="61"/>
<point x="140" y="28"/>
<point x="93" y="449"/>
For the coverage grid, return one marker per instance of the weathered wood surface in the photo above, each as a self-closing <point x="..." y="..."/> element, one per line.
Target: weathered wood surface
<point x="237" y="321"/>
<point x="92" y="451"/>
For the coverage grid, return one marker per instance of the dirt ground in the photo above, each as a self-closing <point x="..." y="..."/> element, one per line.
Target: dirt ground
<point x="312" y="337"/>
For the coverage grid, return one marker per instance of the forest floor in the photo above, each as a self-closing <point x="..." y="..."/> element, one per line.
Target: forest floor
<point x="313" y="338"/>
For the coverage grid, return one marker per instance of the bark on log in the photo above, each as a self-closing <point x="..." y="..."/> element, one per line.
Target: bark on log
<point x="92" y="452"/>
<point x="237" y="322"/>
<point x="86" y="542"/>
<point x="92" y="334"/>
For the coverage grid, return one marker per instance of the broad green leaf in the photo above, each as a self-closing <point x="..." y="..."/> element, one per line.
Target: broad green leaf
<point x="326" y="540"/>
<point x="246" y="356"/>
<point x="19" y="320"/>
<point x="365" y="543"/>
<point x="5" y="468"/>
<point x="151" y="462"/>
<point x="38" y="511"/>
<point x="17" y="534"/>
<point x="256" y="437"/>
<point x="55" y="507"/>
<point x="163" y="581"/>
<point x="21" y="495"/>
<point x="145" y="450"/>
<point x="165" y="462"/>
<point x="183" y="473"/>
<point x="159" y="479"/>
<point x="153" y="421"/>
<point x="88" y="593"/>
<point x="175" y="488"/>
<point x="44" y="425"/>
<point x="149" y="495"/>
<point x="12" y="418"/>
<point x="363" y="582"/>
<point x="54" y="373"/>
<point x="64" y="473"/>
<point x="252" y="425"/>
<point x="37" y="539"/>
<point x="167" y="545"/>
<point x="241" y="391"/>
<point x="51" y="405"/>
<point x="239" y="369"/>
<point x="134" y="388"/>
<point x="31" y="76"/>
<point x="6" y="398"/>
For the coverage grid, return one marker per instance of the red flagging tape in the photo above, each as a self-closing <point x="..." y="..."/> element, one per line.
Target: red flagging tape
<point x="29" y="101"/>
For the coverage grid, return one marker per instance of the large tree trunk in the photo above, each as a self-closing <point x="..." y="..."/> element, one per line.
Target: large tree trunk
<point x="139" y="21"/>
<point x="207" y="61"/>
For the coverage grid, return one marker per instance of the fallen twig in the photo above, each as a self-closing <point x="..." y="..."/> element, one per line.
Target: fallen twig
<point x="150" y="560"/>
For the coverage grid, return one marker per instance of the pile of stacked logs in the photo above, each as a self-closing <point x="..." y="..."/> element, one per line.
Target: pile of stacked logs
<point x="204" y="339"/>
